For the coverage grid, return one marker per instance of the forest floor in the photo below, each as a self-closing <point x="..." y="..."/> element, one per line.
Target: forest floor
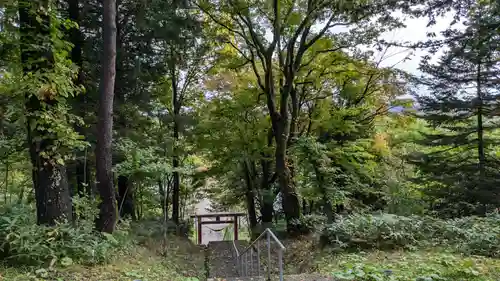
<point x="401" y="264"/>
<point x="179" y="259"/>
<point x="147" y="259"/>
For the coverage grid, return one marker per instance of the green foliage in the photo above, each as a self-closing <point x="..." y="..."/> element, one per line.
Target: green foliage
<point x="469" y="235"/>
<point x="439" y="266"/>
<point x="377" y="231"/>
<point x="459" y="162"/>
<point x="311" y="223"/>
<point x="25" y="242"/>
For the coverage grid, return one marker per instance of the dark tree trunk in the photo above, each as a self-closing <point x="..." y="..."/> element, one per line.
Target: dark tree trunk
<point x="163" y="199"/>
<point x="82" y="178"/>
<point x="250" y="196"/>
<point x="268" y="195"/>
<point x="291" y="206"/>
<point x="281" y="128"/>
<point x="107" y="215"/>
<point x="327" y="205"/>
<point x="176" y="193"/>
<point x="50" y="182"/>
<point x="175" y="158"/>
<point x="167" y="198"/>
<point x="75" y="37"/>
<point x="126" y="198"/>
<point x="480" y="126"/>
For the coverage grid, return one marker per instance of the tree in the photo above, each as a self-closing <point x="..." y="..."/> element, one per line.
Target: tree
<point x="185" y="57"/>
<point x="460" y="165"/>
<point x="277" y="61"/>
<point x="241" y="145"/>
<point x="345" y="96"/>
<point x="47" y="80"/>
<point x="107" y="215"/>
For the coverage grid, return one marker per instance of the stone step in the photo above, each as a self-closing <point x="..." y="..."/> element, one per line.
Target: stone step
<point x="299" y="277"/>
<point x="221" y="258"/>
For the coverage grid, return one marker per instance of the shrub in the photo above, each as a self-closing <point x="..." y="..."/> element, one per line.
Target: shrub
<point x="377" y="231"/>
<point x="470" y="235"/>
<point x="310" y="223"/>
<point x="475" y="235"/>
<point x="443" y="267"/>
<point x="24" y="242"/>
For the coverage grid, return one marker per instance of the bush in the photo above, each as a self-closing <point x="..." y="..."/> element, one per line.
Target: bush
<point x="24" y="242"/>
<point x="375" y="231"/>
<point x="475" y="235"/>
<point x="310" y="223"/>
<point x="417" y="266"/>
<point x="470" y="235"/>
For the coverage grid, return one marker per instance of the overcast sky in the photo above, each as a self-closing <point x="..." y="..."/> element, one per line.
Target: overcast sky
<point x="415" y="31"/>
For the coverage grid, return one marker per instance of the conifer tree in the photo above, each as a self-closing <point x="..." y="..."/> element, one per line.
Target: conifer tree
<point x="459" y="103"/>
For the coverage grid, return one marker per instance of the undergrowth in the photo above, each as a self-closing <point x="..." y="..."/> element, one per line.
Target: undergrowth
<point x="23" y="242"/>
<point x="468" y="235"/>
<point x="421" y="265"/>
<point x="385" y="247"/>
<point x="75" y="251"/>
<point x="426" y="264"/>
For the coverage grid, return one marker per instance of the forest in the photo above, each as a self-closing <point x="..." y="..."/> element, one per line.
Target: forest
<point x="117" y="117"/>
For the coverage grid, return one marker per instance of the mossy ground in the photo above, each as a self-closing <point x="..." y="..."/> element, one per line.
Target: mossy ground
<point x="153" y="259"/>
<point x="176" y="259"/>
<point x="304" y="256"/>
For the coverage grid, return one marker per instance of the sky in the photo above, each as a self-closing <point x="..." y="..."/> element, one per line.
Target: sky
<point x="416" y="30"/>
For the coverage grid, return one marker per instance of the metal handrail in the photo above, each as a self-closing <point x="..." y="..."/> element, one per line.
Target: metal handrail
<point x="242" y="265"/>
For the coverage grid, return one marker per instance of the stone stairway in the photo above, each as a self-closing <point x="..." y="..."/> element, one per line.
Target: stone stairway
<point x="221" y="265"/>
<point x="221" y="258"/>
<point x="298" y="277"/>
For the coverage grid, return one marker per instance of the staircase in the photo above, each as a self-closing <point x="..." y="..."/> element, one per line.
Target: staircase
<point x="261" y="260"/>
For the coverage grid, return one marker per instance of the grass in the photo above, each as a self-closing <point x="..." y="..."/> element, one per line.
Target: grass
<point x="152" y="259"/>
<point x="400" y="265"/>
<point x="406" y="265"/>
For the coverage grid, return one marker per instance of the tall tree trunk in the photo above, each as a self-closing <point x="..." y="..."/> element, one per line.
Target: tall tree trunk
<point x="126" y="198"/>
<point x="267" y="207"/>
<point x="75" y="37"/>
<point x="163" y="201"/>
<point x="176" y="185"/>
<point x="52" y="195"/>
<point x="291" y="205"/>
<point x="249" y="195"/>
<point x="480" y="126"/>
<point x="281" y="127"/>
<point x="6" y="181"/>
<point x="175" y="158"/>
<point x="327" y="205"/>
<point x="82" y="178"/>
<point x="107" y="215"/>
<point x="167" y="198"/>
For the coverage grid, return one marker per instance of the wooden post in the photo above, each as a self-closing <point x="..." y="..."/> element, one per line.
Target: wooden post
<point x="235" y="227"/>
<point x="199" y="230"/>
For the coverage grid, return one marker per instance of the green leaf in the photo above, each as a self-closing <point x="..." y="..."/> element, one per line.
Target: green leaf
<point x="110" y="238"/>
<point x="66" y="261"/>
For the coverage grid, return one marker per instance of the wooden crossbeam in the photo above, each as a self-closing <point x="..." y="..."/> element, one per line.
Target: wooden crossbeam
<point x="217" y="222"/>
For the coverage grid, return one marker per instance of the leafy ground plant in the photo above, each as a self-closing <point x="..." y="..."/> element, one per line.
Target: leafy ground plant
<point x="23" y="242"/>
<point x="410" y="266"/>
<point x="468" y="235"/>
<point x="177" y="260"/>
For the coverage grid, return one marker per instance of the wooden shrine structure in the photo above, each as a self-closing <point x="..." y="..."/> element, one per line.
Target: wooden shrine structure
<point x="220" y="218"/>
